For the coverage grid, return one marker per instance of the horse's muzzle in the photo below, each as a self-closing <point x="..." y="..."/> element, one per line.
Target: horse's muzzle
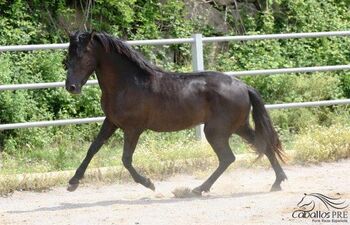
<point x="73" y="88"/>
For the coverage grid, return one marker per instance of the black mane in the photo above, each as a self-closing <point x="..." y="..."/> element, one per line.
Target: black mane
<point x="111" y="44"/>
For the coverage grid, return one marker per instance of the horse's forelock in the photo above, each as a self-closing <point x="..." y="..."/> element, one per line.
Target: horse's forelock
<point x="79" y="41"/>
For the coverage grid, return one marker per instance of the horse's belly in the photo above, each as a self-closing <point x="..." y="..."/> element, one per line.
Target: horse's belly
<point x="173" y="125"/>
<point x="176" y="119"/>
<point x="157" y="114"/>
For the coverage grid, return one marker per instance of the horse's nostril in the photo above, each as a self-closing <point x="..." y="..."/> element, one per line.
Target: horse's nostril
<point x="71" y="88"/>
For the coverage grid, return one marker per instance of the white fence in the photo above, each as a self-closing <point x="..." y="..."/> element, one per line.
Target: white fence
<point x="197" y="42"/>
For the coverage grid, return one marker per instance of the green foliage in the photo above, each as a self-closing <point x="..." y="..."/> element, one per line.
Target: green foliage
<point x="345" y="84"/>
<point x="282" y="16"/>
<point x="36" y="21"/>
<point x="317" y="144"/>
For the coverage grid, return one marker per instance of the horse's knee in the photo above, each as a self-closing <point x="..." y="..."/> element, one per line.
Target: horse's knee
<point x="227" y="159"/>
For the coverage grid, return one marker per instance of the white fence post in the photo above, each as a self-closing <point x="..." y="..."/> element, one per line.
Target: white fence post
<point x="198" y="65"/>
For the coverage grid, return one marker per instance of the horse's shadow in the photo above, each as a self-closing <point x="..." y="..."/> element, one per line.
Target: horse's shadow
<point x="142" y="201"/>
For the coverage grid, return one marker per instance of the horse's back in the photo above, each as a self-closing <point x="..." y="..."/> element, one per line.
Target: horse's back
<point x="186" y="100"/>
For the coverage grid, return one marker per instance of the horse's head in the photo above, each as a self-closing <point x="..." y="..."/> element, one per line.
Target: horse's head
<point x="80" y="62"/>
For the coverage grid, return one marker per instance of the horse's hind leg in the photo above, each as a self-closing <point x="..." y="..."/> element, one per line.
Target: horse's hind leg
<point x="130" y="140"/>
<point x="280" y="175"/>
<point x="219" y="142"/>
<point x="248" y="134"/>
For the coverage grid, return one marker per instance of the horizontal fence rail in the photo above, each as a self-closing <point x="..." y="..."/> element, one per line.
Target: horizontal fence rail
<point x="12" y="87"/>
<point x="50" y="123"/>
<point x="100" y="119"/>
<point x="197" y="42"/>
<point x="13" y="48"/>
<point x="289" y="70"/>
<point x="277" y="36"/>
<point x="308" y="104"/>
<point x="233" y="73"/>
<point x="189" y="40"/>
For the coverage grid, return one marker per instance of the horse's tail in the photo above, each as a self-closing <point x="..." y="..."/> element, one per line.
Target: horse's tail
<point x="266" y="136"/>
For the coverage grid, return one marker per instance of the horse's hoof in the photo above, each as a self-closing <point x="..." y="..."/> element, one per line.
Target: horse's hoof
<point x="275" y="188"/>
<point x="197" y="191"/>
<point x="72" y="187"/>
<point x="152" y="187"/>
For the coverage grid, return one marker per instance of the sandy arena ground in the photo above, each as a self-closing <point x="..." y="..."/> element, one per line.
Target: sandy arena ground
<point x="238" y="197"/>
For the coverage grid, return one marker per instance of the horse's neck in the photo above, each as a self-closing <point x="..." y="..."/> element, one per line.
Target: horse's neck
<point x="115" y="73"/>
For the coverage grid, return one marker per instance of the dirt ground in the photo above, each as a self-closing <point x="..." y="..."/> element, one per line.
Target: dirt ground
<point x="239" y="197"/>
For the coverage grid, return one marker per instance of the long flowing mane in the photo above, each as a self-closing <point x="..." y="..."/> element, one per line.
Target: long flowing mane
<point x="111" y="44"/>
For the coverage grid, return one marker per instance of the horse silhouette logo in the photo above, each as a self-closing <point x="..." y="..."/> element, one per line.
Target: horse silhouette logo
<point x="309" y="201"/>
<point x="316" y="205"/>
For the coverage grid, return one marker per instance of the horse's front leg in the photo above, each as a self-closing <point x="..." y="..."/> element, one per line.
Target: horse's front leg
<point x="130" y="140"/>
<point x="106" y="132"/>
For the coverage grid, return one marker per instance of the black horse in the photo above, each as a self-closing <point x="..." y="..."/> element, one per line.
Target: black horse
<point x="137" y="95"/>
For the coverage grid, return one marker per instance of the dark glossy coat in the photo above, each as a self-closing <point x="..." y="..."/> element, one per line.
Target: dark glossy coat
<point x="137" y="95"/>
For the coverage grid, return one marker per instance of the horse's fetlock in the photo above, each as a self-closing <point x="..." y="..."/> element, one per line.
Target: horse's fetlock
<point x="74" y="180"/>
<point x="282" y="176"/>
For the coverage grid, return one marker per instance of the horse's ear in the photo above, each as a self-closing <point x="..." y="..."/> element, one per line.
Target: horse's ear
<point x="73" y="35"/>
<point x="92" y="35"/>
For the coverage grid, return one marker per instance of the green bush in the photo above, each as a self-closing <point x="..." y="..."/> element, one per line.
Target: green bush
<point x="319" y="144"/>
<point x="36" y="22"/>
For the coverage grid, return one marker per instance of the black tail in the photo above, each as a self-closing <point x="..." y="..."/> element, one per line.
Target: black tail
<point x="266" y="136"/>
